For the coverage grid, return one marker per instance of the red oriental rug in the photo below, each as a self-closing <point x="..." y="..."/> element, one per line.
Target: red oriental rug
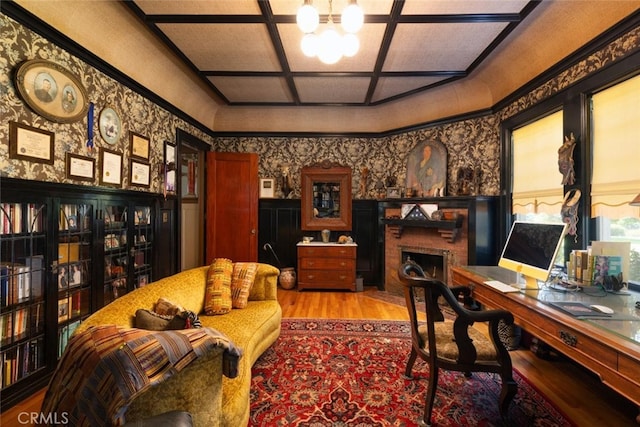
<point x="350" y="373"/>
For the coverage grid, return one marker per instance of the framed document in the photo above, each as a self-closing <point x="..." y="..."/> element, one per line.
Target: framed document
<point x="267" y="187"/>
<point x="139" y="146"/>
<point x="111" y="163"/>
<point x="80" y="167"/>
<point x="29" y="143"/>
<point x="139" y="173"/>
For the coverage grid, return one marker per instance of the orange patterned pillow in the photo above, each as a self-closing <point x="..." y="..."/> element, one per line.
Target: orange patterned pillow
<point x="217" y="297"/>
<point x="242" y="279"/>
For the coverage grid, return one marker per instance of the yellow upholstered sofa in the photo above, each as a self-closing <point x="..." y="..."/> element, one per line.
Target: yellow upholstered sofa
<point x="201" y="388"/>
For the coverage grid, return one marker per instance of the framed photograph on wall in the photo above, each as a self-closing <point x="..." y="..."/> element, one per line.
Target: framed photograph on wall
<point x="139" y="173"/>
<point x="169" y="168"/>
<point x="52" y="91"/>
<point x="139" y="146"/>
<point x="111" y="163"/>
<point x="80" y="168"/>
<point x="30" y="143"/>
<point x="110" y="125"/>
<point x="267" y="187"/>
<point x="189" y="174"/>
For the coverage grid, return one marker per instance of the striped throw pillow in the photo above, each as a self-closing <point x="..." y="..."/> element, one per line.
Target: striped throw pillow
<point x="218" y="293"/>
<point x="242" y="279"/>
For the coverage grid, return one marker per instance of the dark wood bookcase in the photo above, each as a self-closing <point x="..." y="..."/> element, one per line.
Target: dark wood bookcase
<point x="65" y="252"/>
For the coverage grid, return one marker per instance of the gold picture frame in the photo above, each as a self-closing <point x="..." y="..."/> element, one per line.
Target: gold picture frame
<point x="52" y="91"/>
<point x="30" y="143"/>
<point x="140" y="146"/>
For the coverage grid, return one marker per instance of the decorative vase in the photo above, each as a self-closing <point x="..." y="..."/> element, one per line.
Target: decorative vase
<point x="288" y="278"/>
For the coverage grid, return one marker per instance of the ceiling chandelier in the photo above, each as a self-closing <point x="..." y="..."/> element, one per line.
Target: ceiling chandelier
<point x="330" y="45"/>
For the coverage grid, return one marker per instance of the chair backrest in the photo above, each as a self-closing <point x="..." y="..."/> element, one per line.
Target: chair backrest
<point x="418" y="285"/>
<point x="414" y="279"/>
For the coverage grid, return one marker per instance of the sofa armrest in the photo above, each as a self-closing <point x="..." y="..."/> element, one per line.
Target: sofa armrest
<point x="265" y="285"/>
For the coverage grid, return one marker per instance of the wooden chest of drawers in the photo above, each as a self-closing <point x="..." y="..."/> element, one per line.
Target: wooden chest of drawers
<point x="326" y="266"/>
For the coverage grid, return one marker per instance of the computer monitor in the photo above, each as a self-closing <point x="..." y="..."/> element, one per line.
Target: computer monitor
<point x="531" y="249"/>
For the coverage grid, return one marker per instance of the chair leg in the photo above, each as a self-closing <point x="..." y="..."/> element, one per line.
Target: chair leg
<point x="507" y="393"/>
<point x="430" y="396"/>
<point x="410" y="362"/>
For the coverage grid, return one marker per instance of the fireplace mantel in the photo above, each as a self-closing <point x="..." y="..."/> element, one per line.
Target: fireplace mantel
<point x="448" y="229"/>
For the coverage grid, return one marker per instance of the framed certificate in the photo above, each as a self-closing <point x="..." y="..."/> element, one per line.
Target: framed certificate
<point x="139" y="173"/>
<point x="29" y="143"/>
<point x="80" y="168"/>
<point x="111" y="163"/>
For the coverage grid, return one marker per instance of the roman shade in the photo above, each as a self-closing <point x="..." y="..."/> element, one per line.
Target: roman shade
<point x="615" y="177"/>
<point x="537" y="182"/>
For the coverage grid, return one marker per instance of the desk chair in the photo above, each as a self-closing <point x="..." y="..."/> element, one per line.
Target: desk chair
<point x="453" y="344"/>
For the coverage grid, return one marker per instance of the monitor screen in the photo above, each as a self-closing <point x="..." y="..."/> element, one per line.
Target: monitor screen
<point x="531" y="249"/>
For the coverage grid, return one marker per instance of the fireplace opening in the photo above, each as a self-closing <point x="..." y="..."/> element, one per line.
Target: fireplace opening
<point x="434" y="262"/>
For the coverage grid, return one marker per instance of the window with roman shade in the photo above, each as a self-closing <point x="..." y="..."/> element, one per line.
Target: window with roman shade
<point x="615" y="181"/>
<point x="537" y="182"/>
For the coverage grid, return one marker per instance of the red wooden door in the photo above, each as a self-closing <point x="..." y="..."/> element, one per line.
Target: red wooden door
<point x="232" y="206"/>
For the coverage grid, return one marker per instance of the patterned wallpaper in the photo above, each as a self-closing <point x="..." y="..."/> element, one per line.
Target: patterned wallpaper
<point x="472" y="143"/>
<point x="137" y="113"/>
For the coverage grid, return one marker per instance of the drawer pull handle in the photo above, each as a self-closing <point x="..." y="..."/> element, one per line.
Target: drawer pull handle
<point x="568" y="338"/>
<point x="342" y="264"/>
<point x="343" y="277"/>
<point x="310" y="276"/>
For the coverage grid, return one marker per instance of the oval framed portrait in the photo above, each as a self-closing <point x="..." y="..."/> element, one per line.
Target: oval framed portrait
<point x="110" y="125"/>
<point x="51" y="91"/>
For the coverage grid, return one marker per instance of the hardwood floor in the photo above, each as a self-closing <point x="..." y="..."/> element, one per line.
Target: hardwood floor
<point x="575" y="391"/>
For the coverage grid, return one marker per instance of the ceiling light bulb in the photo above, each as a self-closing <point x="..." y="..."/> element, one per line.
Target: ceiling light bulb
<point x="307" y="18"/>
<point x="309" y="45"/>
<point x="330" y="49"/>
<point x="352" y="17"/>
<point x="350" y="44"/>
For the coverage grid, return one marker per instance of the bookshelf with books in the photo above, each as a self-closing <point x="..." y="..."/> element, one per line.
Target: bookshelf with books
<point x="65" y="252"/>
<point x="23" y="251"/>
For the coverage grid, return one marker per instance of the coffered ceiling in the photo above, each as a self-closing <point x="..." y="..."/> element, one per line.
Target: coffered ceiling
<point x="248" y="51"/>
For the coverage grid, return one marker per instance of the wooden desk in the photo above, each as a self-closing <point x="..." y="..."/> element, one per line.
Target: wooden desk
<point x="609" y="348"/>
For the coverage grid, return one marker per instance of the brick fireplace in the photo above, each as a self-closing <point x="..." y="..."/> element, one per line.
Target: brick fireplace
<point x="435" y="250"/>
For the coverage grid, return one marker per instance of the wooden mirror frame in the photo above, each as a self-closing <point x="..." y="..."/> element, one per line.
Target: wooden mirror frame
<point x="326" y="172"/>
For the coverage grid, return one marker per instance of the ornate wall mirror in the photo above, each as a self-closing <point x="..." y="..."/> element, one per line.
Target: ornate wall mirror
<point x="326" y="197"/>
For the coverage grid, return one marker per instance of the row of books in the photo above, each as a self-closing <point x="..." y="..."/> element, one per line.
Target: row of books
<point x="13" y="219"/>
<point x="16" y="325"/>
<point x="21" y="360"/>
<point x="64" y="334"/>
<point x="21" y="282"/>
<point x="602" y="259"/>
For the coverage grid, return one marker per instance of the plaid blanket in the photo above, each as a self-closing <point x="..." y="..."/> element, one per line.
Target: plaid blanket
<point x="105" y="367"/>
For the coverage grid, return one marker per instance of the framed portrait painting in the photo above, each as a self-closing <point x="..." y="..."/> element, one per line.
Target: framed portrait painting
<point x="427" y="169"/>
<point x="52" y="91"/>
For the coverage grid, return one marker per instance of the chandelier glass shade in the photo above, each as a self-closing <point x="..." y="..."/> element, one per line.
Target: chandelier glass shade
<point x="329" y="46"/>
